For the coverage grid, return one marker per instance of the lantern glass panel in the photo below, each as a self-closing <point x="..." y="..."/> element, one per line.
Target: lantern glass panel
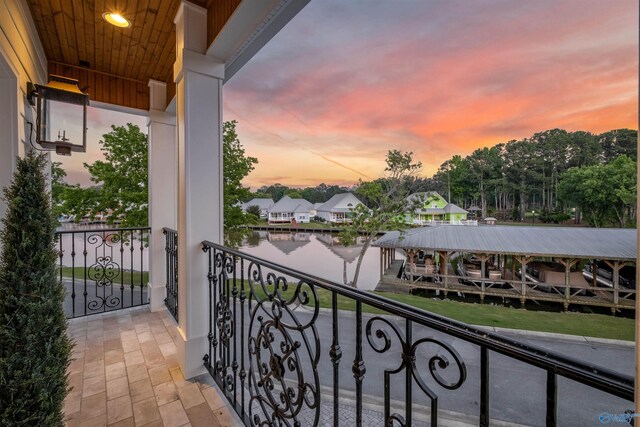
<point x="62" y="122"/>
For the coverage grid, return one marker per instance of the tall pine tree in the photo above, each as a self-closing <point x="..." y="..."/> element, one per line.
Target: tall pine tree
<point x="34" y="347"/>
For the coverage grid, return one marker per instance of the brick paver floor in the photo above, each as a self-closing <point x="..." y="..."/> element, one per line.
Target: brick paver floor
<point x="124" y="372"/>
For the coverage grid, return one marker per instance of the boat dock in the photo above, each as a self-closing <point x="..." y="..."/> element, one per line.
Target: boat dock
<point x="506" y="260"/>
<point x="508" y="289"/>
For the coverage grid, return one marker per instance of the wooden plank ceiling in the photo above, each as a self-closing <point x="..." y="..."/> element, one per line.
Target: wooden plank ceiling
<point x="115" y="64"/>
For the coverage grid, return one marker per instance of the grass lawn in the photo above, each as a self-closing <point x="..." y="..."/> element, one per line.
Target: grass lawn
<point x="592" y="325"/>
<point x="126" y="276"/>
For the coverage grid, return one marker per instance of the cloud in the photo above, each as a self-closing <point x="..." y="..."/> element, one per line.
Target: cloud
<point x="347" y="82"/>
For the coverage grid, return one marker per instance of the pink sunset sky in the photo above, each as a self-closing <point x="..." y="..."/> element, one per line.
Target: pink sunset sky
<point x="346" y="81"/>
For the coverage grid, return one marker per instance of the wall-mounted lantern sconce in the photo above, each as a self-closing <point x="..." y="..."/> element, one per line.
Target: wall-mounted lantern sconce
<point x="60" y="127"/>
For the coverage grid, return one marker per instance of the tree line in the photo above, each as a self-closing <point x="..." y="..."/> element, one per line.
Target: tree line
<point x="557" y="174"/>
<point x="552" y="173"/>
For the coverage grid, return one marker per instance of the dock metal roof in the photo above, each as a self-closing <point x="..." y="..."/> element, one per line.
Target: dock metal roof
<point x="567" y="242"/>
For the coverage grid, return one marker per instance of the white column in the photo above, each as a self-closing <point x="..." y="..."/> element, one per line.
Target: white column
<point x="163" y="181"/>
<point x="199" y="134"/>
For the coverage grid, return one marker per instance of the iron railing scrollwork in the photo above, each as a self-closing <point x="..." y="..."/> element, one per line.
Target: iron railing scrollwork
<point x="171" y="267"/>
<point x="103" y="269"/>
<point x="268" y="337"/>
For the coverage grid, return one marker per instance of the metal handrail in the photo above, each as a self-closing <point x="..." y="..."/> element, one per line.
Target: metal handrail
<point x="598" y="377"/>
<point x="88" y="230"/>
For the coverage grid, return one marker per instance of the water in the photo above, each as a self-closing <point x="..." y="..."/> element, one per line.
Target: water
<point x="319" y="254"/>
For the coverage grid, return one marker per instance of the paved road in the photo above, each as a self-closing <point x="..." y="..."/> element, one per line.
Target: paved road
<point x="518" y="390"/>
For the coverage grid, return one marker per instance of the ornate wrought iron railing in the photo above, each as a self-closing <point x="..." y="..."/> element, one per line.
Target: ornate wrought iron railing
<point x="281" y="358"/>
<point x="103" y="269"/>
<point x="171" y="265"/>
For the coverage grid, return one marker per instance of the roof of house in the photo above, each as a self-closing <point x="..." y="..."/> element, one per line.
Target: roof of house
<point x="575" y="242"/>
<point x="261" y="203"/>
<point x="287" y="204"/>
<point x="454" y="209"/>
<point x="330" y="205"/>
<point x="424" y="197"/>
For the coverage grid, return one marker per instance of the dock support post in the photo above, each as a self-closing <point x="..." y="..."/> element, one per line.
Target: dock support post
<point x="444" y="260"/>
<point x="483" y="272"/>
<point x="568" y="263"/>
<point x="523" y="278"/>
<point x="616" y="266"/>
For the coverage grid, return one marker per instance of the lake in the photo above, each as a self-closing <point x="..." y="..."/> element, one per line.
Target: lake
<point x="319" y="254"/>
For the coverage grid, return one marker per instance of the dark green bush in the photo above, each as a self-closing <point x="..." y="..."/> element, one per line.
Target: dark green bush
<point x="34" y="347"/>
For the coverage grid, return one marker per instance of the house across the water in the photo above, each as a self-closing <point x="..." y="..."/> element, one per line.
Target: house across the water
<point x="433" y="209"/>
<point x="288" y="210"/>
<point x="338" y="209"/>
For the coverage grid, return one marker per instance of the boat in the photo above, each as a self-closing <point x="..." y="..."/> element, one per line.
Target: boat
<point x="547" y="275"/>
<point x="471" y="269"/>
<point x="420" y="265"/>
<point x="604" y="275"/>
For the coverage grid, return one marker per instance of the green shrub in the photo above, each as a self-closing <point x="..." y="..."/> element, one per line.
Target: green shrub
<point x="34" y="347"/>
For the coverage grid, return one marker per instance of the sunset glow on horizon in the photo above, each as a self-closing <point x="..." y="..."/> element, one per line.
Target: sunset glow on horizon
<point x="345" y="82"/>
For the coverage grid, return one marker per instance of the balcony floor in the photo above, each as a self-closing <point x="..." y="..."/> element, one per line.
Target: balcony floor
<point x="124" y="372"/>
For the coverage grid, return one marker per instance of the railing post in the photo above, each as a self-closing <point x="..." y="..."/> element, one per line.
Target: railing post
<point x="484" y="387"/>
<point x="358" y="368"/>
<point x="336" y="354"/>
<point x="552" y="399"/>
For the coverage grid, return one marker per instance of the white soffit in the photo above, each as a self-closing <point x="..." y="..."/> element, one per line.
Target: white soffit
<point x="249" y="28"/>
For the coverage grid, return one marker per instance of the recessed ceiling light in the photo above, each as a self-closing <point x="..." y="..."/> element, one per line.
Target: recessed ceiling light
<point x="116" y="19"/>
